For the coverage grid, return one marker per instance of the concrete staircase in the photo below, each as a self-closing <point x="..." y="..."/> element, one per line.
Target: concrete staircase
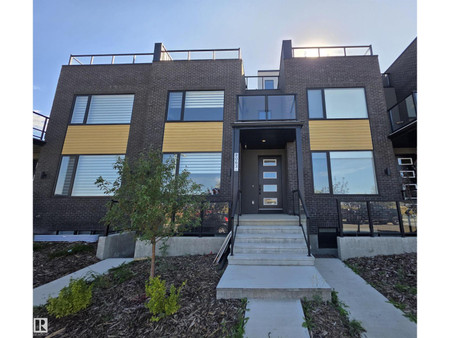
<point x="270" y="240"/>
<point x="271" y="261"/>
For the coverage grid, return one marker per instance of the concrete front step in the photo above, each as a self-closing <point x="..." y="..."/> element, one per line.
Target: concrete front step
<point x="280" y="259"/>
<point x="272" y="282"/>
<point x="269" y="229"/>
<point x="267" y="219"/>
<point x="294" y="248"/>
<point x="284" y="238"/>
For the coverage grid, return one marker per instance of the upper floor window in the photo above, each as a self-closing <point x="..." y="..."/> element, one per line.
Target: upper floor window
<point x="102" y="109"/>
<point x="195" y="106"/>
<point x="266" y="107"/>
<point x="337" y="103"/>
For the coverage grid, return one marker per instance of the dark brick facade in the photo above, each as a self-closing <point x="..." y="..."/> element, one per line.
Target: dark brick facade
<point x="300" y="74"/>
<point x="150" y="84"/>
<point x="403" y="72"/>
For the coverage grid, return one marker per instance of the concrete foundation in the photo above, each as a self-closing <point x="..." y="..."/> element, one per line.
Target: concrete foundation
<point x="119" y="245"/>
<point x="349" y="247"/>
<point x="180" y="246"/>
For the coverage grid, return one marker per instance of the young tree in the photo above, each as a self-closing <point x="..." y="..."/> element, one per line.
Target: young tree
<point x="148" y="198"/>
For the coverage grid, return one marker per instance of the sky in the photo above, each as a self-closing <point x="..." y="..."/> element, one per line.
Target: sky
<point x="64" y="27"/>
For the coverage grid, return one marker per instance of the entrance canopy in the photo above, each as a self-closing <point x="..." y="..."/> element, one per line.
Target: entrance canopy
<point x="266" y="138"/>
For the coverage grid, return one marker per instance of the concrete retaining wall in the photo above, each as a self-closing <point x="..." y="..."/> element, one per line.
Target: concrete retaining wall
<point x="119" y="245"/>
<point x="349" y="247"/>
<point x="180" y="246"/>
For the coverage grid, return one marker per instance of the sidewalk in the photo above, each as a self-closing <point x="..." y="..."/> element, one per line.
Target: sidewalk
<point x="365" y="304"/>
<point x="43" y="292"/>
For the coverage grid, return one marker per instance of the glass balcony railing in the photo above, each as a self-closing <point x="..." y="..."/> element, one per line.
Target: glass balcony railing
<point x="404" y="112"/>
<point x="39" y="126"/>
<point x="266" y="107"/>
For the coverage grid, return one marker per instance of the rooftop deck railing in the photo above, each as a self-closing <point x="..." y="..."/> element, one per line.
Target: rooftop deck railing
<point x="104" y="59"/>
<point x="166" y="55"/>
<point x="261" y="82"/>
<point x="332" y="51"/>
<point x="200" y="54"/>
<point x="403" y="112"/>
<point x="39" y="126"/>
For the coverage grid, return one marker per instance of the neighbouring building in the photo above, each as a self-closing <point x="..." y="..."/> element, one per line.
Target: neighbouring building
<point x="314" y="135"/>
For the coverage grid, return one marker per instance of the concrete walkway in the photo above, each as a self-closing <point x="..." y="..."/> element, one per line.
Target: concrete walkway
<point x="365" y="304"/>
<point x="43" y="292"/>
<point x="275" y="318"/>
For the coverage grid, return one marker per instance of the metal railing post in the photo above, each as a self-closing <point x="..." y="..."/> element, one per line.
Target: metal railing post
<point x="92" y="60"/>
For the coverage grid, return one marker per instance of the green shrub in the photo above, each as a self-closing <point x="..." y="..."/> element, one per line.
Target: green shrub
<point x="160" y="305"/>
<point x="71" y="299"/>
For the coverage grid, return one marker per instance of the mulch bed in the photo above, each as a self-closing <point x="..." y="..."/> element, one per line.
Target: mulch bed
<point x="394" y="276"/>
<point x="53" y="260"/>
<point x="117" y="308"/>
<point x="325" y="320"/>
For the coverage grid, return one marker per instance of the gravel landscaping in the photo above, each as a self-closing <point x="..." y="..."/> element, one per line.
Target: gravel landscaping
<point x="117" y="308"/>
<point x="53" y="260"/>
<point x="394" y="276"/>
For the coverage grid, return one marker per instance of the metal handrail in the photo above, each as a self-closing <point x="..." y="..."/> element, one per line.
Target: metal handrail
<point x="74" y="57"/>
<point x="344" y="49"/>
<point x="305" y="209"/>
<point x="213" y="51"/>
<point x="235" y="226"/>
<point x="395" y="125"/>
<point x="44" y="127"/>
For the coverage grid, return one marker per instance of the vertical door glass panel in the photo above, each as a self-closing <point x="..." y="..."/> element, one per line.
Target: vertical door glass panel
<point x="174" y="106"/>
<point x="282" y="107"/>
<point x="270" y="175"/>
<point x="353" y="172"/>
<point x="204" y="106"/>
<point x="320" y="173"/>
<point x="269" y="162"/>
<point x="270" y="201"/>
<point x="315" y="106"/>
<point x="270" y="188"/>
<point x="65" y="175"/>
<point x="79" y="109"/>
<point x="345" y="103"/>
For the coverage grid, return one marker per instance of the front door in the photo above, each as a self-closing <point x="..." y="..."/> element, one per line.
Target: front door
<point x="269" y="177"/>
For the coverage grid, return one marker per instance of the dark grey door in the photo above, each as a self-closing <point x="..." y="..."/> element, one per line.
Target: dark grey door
<point x="269" y="177"/>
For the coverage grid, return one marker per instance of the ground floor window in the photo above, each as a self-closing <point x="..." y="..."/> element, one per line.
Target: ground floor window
<point x="204" y="168"/>
<point x="78" y="173"/>
<point x="350" y="172"/>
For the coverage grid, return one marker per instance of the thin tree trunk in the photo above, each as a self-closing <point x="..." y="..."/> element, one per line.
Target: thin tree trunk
<point x="152" y="271"/>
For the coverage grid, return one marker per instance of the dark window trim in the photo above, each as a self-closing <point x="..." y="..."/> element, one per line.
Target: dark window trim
<point x="324" y="110"/>
<point x="266" y="107"/>
<point x="88" y="106"/>
<point x="177" y="172"/>
<point x="330" y="178"/>
<point x="72" y="179"/>
<point x="183" y="101"/>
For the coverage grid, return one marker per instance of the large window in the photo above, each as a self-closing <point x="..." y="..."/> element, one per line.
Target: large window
<point x="267" y="107"/>
<point x="337" y="103"/>
<point x="351" y="172"/>
<point x="195" y="106"/>
<point x="78" y="173"/>
<point x="204" y="168"/>
<point x="102" y="109"/>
